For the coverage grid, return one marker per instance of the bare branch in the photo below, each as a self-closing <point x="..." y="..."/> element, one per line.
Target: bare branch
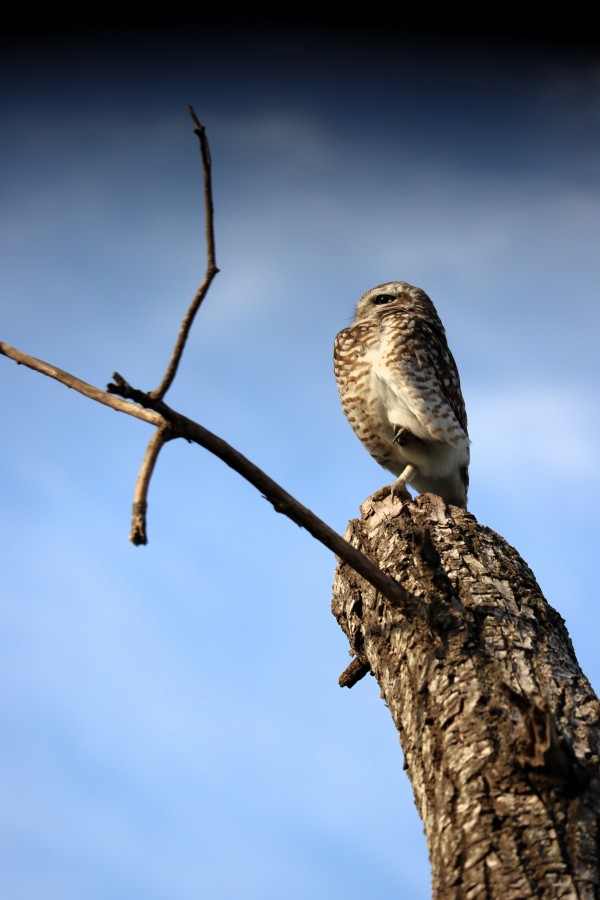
<point x="88" y="390"/>
<point x="157" y="413"/>
<point x="211" y="265"/>
<point x="138" y="533"/>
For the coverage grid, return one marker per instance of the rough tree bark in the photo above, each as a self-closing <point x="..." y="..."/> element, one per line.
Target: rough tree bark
<point x="498" y="724"/>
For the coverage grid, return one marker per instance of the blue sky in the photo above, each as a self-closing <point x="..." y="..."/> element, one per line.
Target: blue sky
<point x="173" y="727"/>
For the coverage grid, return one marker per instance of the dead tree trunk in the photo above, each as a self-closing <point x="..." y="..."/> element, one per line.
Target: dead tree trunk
<point x="499" y="726"/>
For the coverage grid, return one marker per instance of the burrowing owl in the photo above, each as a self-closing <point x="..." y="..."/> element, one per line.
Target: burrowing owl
<point x="400" y="390"/>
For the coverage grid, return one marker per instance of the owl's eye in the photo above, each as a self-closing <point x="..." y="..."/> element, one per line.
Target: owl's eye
<point x="381" y="299"/>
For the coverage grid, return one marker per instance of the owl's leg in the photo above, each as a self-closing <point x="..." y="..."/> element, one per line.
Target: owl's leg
<point x="402" y="437"/>
<point x="399" y="485"/>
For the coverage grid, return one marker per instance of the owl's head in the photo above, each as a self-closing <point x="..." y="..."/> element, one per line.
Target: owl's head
<point x="394" y="297"/>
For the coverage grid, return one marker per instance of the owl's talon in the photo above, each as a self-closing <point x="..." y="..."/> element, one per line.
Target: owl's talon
<point x="399" y="491"/>
<point x="402" y="435"/>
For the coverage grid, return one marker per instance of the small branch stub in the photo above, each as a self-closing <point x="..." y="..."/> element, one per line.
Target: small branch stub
<point x="353" y="673"/>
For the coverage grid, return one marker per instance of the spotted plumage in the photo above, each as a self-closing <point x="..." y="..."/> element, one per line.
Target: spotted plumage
<point x="400" y="390"/>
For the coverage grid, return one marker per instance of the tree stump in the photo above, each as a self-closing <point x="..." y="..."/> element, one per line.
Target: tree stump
<point x="498" y="724"/>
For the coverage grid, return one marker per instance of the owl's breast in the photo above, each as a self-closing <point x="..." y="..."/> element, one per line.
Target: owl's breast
<point x="398" y="392"/>
<point x="366" y="396"/>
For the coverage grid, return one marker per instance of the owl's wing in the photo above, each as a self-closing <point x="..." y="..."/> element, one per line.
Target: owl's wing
<point x="425" y="379"/>
<point x="450" y="383"/>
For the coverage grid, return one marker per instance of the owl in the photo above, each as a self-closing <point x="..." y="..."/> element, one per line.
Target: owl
<point x="400" y="390"/>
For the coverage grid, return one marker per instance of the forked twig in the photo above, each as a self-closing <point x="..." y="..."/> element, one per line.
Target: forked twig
<point x="138" y="534"/>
